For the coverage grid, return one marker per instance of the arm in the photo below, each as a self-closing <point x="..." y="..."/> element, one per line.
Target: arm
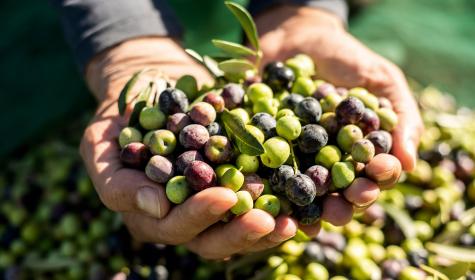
<point x="143" y="203"/>
<point x="340" y="59"/>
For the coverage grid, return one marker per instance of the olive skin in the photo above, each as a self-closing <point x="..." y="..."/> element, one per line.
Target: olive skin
<point x="300" y="189"/>
<point x="350" y="110"/>
<point x="266" y="123"/>
<point x="278" y="77"/>
<point x="309" y="110"/>
<point x="280" y="176"/>
<point x="309" y="214"/>
<point x="135" y="155"/>
<point x="200" y="175"/>
<point x="312" y="138"/>
<point x="173" y="101"/>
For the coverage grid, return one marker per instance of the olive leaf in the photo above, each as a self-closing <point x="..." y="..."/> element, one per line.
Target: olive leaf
<point x="188" y="85"/>
<point x="232" y="48"/>
<point x="434" y="272"/>
<point x="122" y="102"/>
<point x="246" y="21"/>
<point x="236" y="66"/>
<point x="455" y="270"/>
<point x="466" y="219"/>
<point x="212" y="66"/>
<point x="401" y="218"/>
<point x="140" y="103"/>
<point x="245" y="141"/>
<point x="452" y="252"/>
<point x="194" y="55"/>
<point x="209" y="63"/>
<point x="301" y="236"/>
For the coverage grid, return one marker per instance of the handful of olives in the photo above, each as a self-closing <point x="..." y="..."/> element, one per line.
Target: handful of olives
<point x="282" y="139"/>
<point x="288" y="139"/>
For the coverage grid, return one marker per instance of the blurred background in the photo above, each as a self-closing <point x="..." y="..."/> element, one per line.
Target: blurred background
<point x="45" y="106"/>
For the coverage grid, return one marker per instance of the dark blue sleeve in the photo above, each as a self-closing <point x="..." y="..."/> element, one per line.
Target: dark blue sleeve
<point x="91" y="26"/>
<point x="337" y="7"/>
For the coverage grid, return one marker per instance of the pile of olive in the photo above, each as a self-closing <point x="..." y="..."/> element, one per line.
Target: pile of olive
<point x="282" y="143"/>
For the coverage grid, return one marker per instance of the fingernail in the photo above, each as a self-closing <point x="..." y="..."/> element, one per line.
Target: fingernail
<point x="148" y="201"/>
<point x="254" y="236"/>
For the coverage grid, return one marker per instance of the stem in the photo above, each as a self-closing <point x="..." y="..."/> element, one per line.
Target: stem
<point x="296" y="167"/>
<point x="258" y="59"/>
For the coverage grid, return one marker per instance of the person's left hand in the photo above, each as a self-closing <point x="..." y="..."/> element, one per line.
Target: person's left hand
<point x="342" y="60"/>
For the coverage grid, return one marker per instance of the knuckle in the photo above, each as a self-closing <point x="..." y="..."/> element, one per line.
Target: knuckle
<point x="111" y="197"/>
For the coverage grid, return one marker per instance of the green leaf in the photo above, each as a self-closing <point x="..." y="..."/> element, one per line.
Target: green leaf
<point x="401" y="218"/>
<point x="194" y="55"/>
<point x="122" y="102"/>
<point x="236" y="66"/>
<point x="212" y="66"/>
<point x="434" y="272"/>
<point x="301" y="236"/>
<point x="245" y="19"/>
<point x="188" y="85"/>
<point x="452" y="252"/>
<point x="206" y="61"/>
<point x="233" y="49"/>
<point x="140" y="103"/>
<point x="245" y="141"/>
<point x="456" y="270"/>
<point x="466" y="219"/>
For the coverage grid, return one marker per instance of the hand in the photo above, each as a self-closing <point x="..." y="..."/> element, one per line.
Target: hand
<point x="143" y="203"/>
<point x="342" y="60"/>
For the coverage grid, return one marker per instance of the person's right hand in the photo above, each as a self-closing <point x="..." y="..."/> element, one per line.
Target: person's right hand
<point x="143" y="203"/>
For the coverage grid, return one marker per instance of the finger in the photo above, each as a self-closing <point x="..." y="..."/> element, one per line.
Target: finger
<point x="120" y="189"/>
<point x="242" y="232"/>
<point x="311" y="230"/>
<point x="406" y="137"/>
<point x="384" y="169"/>
<point x="362" y="192"/>
<point x="409" y="128"/>
<point x="336" y="210"/>
<point x="187" y="220"/>
<point x="285" y="228"/>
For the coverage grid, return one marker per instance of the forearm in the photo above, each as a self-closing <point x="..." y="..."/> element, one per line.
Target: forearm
<point x="296" y="24"/>
<point x="108" y="71"/>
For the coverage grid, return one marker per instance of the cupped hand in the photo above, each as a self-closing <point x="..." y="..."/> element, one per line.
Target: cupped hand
<point x="344" y="61"/>
<point x="143" y="203"/>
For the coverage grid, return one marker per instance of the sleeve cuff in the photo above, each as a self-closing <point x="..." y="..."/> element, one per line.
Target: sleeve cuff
<point x="337" y="7"/>
<point x="92" y="26"/>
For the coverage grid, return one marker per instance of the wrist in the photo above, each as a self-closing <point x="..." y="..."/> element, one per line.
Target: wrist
<point x="288" y="30"/>
<point x="108" y="72"/>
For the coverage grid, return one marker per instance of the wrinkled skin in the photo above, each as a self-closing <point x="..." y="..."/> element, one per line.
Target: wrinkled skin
<point x="285" y="31"/>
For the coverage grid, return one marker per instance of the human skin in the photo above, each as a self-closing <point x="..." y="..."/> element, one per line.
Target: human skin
<point x="195" y="223"/>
